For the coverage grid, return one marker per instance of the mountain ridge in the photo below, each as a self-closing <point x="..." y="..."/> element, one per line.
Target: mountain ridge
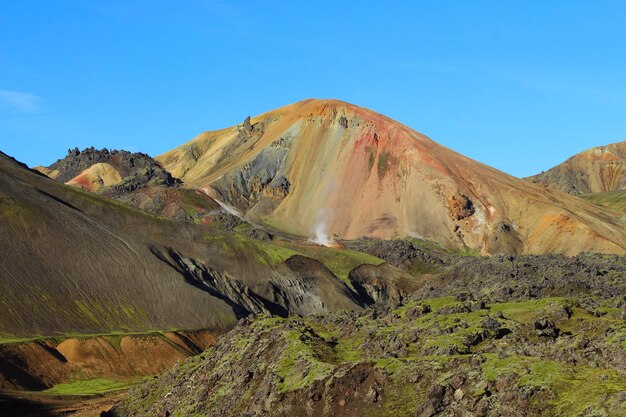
<point x="355" y="173"/>
<point x="598" y="169"/>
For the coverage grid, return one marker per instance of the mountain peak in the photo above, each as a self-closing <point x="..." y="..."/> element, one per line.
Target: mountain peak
<point x="324" y="165"/>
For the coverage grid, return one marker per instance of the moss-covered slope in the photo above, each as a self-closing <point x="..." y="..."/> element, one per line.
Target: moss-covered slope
<point x="443" y="356"/>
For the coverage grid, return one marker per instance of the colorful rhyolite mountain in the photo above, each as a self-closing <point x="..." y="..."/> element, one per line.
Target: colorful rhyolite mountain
<point x="328" y="169"/>
<point x="595" y="170"/>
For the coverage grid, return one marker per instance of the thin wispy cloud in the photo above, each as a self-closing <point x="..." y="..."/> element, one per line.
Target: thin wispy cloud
<point x="19" y="101"/>
<point x="600" y="89"/>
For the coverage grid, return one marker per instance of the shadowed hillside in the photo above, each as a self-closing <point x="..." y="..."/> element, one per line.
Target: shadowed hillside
<point x="74" y="262"/>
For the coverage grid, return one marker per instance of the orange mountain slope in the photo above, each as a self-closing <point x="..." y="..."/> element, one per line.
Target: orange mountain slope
<point x="326" y="168"/>
<point x="595" y="170"/>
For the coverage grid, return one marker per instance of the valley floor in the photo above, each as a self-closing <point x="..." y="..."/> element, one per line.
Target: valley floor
<point x="32" y="404"/>
<point x="85" y="375"/>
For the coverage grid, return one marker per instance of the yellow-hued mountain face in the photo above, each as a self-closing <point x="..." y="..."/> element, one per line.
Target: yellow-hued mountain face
<point x="96" y="176"/>
<point x="596" y="170"/>
<point x="329" y="169"/>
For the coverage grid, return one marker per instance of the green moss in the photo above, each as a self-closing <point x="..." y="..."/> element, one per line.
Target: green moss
<point x="267" y="322"/>
<point x="92" y="386"/>
<point x="383" y="161"/>
<point x="370" y="161"/>
<point x="346" y="349"/>
<point x="265" y="252"/>
<point x="575" y="389"/>
<point x="529" y="311"/>
<point x="114" y="338"/>
<point x="242" y="228"/>
<point x="299" y="366"/>
<point x="437" y="304"/>
<point x="339" y="261"/>
<point x="615" y="200"/>
<point x="14" y="210"/>
<point x="390" y="365"/>
<point x="402" y="399"/>
<point x="7" y="339"/>
<point x="302" y="360"/>
<point x="86" y="311"/>
<point x="304" y="350"/>
<point x="445" y="343"/>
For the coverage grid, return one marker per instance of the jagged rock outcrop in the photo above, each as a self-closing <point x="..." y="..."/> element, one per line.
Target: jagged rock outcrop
<point x="501" y="277"/>
<point x="303" y="286"/>
<point x="244" y="301"/>
<point x="134" y="179"/>
<point x="133" y="169"/>
<point x="261" y="180"/>
<point x="460" y="206"/>
<point x="314" y="289"/>
<point x="382" y="285"/>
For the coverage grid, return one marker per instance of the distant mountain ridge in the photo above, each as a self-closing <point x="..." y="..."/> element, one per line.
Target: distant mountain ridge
<point x="596" y="170"/>
<point x="133" y="178"/>
<point x="93" y="169"/>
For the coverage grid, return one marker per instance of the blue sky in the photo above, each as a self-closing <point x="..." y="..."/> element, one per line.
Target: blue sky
<point x="519" y="85"/>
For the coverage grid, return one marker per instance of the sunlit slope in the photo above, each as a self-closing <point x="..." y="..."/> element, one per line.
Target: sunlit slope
<point x="615" y="200"/>
<point x="97" y="176"/>
<point x="358" y="173"/>
<point x="599" y="169"/>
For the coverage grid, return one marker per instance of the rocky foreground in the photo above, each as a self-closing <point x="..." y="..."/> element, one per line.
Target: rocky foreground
<point x="520" y="346"/>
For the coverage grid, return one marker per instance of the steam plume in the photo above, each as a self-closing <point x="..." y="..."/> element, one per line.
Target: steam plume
<point x="320" y="229"/>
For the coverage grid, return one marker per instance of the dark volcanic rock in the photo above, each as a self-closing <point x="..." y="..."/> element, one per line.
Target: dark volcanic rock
<point x="261" y="180"/>
<point x="135" y="168"/>
<point x="374" y="362"/>
<point x="381" y="284"/>
<point x="434" y="401"/>
<point x="501" y="277"/>
<point x="546" y="328"/>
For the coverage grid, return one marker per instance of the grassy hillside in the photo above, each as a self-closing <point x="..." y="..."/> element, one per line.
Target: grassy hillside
<point x="615" y="200"/>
